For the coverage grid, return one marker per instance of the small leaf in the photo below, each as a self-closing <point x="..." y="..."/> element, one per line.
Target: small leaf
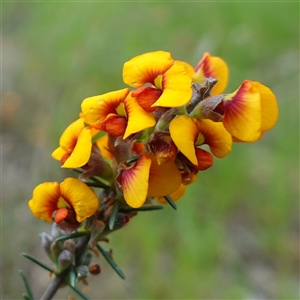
<point x="71" y="236"/>
<point x="113" y="216"/>
<point x="106" y="255"/>
<point x="142" y="208"/>
<point x="72" y="277"/>
<point x="80" y="293"/>
<point x="37" y="262"/>
<point x="171" y="202"/>
<point x="29" y="295"/>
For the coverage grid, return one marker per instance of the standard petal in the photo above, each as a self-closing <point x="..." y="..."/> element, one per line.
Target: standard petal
<point x="138" y="119"/>
<point x="44" y="200"/>
<point x="212" y="66"/>
<point x="81" y="197"/>
<point x="164" y="179"/>
<point x="146" y="67"/>
<point x="216" y="136"/>
<point x="135" y="182"/>
<point x="96" y="108"/>
<point x="176" y="87"/>
<point x="243" y="113"/>
<point x="82" y="150"/>
<point x="184" y="132"/>
<point x="269" y="106"/>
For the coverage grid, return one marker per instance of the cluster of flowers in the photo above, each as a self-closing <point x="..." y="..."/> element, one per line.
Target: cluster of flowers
<point x="145" y="144"/>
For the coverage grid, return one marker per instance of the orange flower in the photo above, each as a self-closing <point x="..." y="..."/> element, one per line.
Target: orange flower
<point x="146" y="178"/>
<point x="75" y="145"/>
<point x="116" y="113"/>
<point x="171" y="85"/>
<point x="250" y="111"/>
<point x="188" y="135"/>
<point x="72" y="195"/>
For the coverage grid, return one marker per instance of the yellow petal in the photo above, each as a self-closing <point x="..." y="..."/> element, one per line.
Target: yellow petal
<point x="81" y="197"/>
<point x="216" y="136"/>
<point x="44" y="200"/>
<point x="135" y="182"/>
<point x="176" y="87"/>
<point x="212" y="66"/>
<point x="69" y="137"/>
<point x="164" y="179"/>
<point x="269" y="106"/>
<point x="138" y="119"/>
<point x="188" y="67"/>
<point x="58" y="153"/>
<point x="82" y="150"/>
<point x="96" y="108"/>
<point x="175" y="195"/>
<point x="243" y="113"/>
<point x="184" y="132"/>
<point x="146" y="67"/>
<point x="102" y="144"/>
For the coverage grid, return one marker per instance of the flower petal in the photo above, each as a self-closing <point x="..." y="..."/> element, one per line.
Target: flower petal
<point x="184" y="132"/>
<point x="212" y="66"/>
<point x="102" y="144"/>
<point x="216" y="136"/>
<point x="82" y="151"/>
<point x="96" y="108"/>
<point x="188" y="67"/>
<point x="81" y="197"/>
<point x="175" y="195"/>
<point x="164" y="179"/>
<point x="243" y="112"/>
<point x="44" y="200"/>
<point x="204" y="158"/>
<point x="146" y="67"/>
<point x="135" y="182"/>
<point x="176" y="87"/>
<point x="269" y="106"/>
<point x="138" y="119"/>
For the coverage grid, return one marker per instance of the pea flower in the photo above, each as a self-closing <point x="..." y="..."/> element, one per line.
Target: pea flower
<point x="170" y="83"/>
<point x="72" y="200"/>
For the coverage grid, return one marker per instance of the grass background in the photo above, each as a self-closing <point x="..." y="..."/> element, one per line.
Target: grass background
<point x="236" y="232"/>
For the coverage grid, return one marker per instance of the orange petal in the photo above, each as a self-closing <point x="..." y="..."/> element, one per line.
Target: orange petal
<point x="135" y="182"/>
<point x="216" y="136"/>
<point x="146" y="67"/>
<point x="82" y="151"/>
<point x="81" y="197"/>
<point x="184" y="132"/>
<point x="95" y="109"/>
<point x="164" y="179"/>
<point x="243" y="112"/>
<point x="114" y="125"/>
<point x="175" y="195"/>
<point x="44" y="200"/>
<point x="204" y="158"/>
<point x="61" y="214"/>
<point x="138" y="119"/>
<point x="146" y="96"/>
<point x="176" y="87"/>
<point x="212" y="66"/>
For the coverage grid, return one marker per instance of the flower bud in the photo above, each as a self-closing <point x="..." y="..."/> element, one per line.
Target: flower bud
<point x="94" y="269"/>
<point x="46" y="241"/>
<point x="65" y="259"/>
<point x="82" y="271"/>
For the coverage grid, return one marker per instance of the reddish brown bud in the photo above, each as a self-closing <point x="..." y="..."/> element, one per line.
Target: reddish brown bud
<point x="94" y="269"/>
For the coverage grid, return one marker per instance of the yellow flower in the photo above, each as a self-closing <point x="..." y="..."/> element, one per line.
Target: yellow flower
<point x="188" y="135"/>
<point x="146" y="178"/>
<point x="250" y="111"/>
<point x="171" y="85"/>
<point x="210" y="66"/>
<point x="75" y="145"/>
<point x="117" y="113"/>
<point x="72" y="195"/>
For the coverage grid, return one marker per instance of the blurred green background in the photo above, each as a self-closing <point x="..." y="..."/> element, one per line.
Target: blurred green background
<point x="236" y="232"/>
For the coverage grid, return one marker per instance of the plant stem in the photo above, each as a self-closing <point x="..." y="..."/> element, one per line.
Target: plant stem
<point x="61" y="278"/>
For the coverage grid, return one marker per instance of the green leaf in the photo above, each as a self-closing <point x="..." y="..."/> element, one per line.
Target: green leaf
<point x="142" y="208"/>
<point x="80" y="293"/>
<point x="112" y="218"/>
<point x="29" y="295"/>
<point x="72" y="276"/>
<point x="37" y="262"/>
<point x="71" y="236"/>
<point x="171" y="202"/>
<point x="106" y="255"/>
